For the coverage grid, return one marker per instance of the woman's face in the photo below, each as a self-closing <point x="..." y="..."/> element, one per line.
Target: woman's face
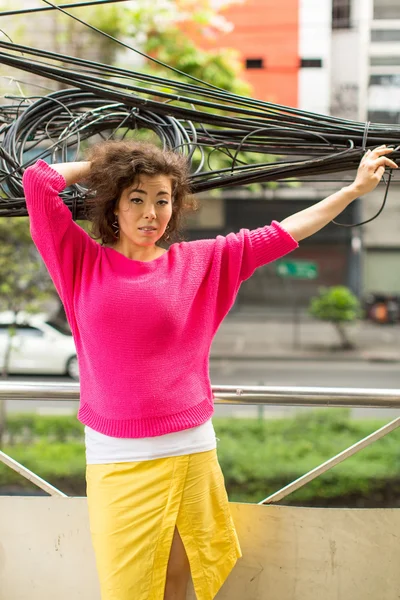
<point x="144" y="210"/>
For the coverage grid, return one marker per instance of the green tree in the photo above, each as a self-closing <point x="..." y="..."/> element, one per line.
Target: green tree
<point x="168" y="30"/>
<point x="24" y="282"/>
<point x="164" y="23"/>
<point x="221" y="67"/>
<point x="339" y="306"/>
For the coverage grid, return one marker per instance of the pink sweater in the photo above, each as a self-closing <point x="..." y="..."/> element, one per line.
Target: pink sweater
<point x="142" y="330"/>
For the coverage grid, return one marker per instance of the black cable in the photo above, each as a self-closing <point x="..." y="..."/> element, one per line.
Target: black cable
<point x="124" y="45"/>
<point x="364" y="148"/>
<point x="24" y="11"/>
<point x="108" y="102"/>
<point x="350" y="225"/>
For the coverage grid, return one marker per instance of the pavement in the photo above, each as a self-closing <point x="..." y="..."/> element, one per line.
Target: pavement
<point x="257" y="333"/>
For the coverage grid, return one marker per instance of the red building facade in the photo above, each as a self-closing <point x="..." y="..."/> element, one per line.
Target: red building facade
<point x="266" y="33"/>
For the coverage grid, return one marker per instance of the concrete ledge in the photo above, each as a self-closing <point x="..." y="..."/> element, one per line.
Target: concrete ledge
<point x="288" y="553"/>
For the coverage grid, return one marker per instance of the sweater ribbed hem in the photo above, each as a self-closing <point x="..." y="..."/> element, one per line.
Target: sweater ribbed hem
<point x="279" y="242"/>
<point x="147" y="427"/>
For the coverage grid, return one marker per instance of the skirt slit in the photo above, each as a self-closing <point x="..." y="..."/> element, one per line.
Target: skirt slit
<point x="133" y="511"/>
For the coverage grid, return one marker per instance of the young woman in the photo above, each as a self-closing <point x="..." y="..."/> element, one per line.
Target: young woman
<point x="143" y="319"/>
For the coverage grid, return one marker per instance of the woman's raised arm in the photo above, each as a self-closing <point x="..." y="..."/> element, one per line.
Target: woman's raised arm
<point x="61" y="242"/>
<point x="372" y="167"/>
<point x="72" y="172"/>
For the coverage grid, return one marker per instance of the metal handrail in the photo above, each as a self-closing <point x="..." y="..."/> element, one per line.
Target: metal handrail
<point x="226" y="394"/>
<point x="230" y="394"/>
<point x="332" y="462"/>
<point x="30" y="476"/>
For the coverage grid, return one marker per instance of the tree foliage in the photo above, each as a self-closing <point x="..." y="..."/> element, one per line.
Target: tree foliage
<point x="258" y="457"/>
<point x="24" y="281"/>
<point x="222" y="67"/>
<point x="339" y="306"/>
<point x="163" y="27"/>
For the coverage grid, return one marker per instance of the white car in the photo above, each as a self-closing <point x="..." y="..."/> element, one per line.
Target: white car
<point x="38" y="346"/>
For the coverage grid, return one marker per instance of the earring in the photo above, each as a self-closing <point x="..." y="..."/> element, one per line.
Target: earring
<point x="167" y="236"/>
<point x="115" y="226"/>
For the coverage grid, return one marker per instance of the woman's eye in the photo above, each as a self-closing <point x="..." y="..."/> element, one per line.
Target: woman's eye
<point x="163" y="202"/>
<point x="136" y="200"/>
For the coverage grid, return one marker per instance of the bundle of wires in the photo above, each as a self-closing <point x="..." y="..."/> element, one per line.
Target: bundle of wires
<point x="197" y="119"/>
<point x="57" y="126"/>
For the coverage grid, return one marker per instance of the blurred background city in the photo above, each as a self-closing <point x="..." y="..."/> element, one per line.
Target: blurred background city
<point x="327" y="315"/>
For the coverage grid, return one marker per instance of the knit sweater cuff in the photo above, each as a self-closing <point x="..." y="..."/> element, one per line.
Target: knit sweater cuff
<point x="38" y="181"/>
<point x="271" y="242"/>
<point x="50" y="176"/>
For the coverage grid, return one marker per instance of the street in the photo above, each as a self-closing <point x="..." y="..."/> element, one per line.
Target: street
<point x="305" y="373"/>
<point x="263" y="372"/>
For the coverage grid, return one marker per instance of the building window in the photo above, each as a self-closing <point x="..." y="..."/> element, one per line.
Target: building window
<point x="386" y="9"/>
<point x="311" y="63"/>
<point x="341" y="14"/>
<point x="384" y="98"/>
<point x="385" y="81"/>
<point x="254" y="63"/>
<point x="384" y="61"/>
<point x="385" y="35"/>
<point x="384" y="116"/>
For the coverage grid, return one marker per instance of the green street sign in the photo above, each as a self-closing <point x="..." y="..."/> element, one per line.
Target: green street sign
<point x="297" y="269"/>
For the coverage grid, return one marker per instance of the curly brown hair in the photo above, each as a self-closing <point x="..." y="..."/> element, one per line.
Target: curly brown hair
<point x="115" y="165"/>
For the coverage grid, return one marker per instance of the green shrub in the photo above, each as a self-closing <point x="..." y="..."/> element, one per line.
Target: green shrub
<point x="258" y="457"/>
<point x="339" y="306"/>
<point x="336" y="304"/>
<point x="62" y="465"/>
<point x="28" y="427"/>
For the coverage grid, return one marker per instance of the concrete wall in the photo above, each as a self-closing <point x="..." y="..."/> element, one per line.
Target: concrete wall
<point x="315" y="43"/>
<point x="384" y="232"/>
<point x="289" y="553"/>
<point x="381" y="272"/>
<point x="381" y="241"/>
<point x="384" y="84"/>
<point x="344" y="77"/>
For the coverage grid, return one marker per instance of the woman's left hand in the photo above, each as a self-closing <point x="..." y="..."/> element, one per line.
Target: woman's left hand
<point x="371" y="169"/>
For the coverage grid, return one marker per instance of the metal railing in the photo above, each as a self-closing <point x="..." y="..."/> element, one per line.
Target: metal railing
<point x="226" y="394"/>
<point x="230" y="394"/>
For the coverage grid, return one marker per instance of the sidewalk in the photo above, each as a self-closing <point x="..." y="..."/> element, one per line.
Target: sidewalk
<point x="255" y="333"/>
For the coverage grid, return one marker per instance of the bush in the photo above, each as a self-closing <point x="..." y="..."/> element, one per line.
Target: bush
<point x="258" y="457"/>
<point x="337" y="305"/>
<point x="28" y="427"/>
<point x="62" y="465"/>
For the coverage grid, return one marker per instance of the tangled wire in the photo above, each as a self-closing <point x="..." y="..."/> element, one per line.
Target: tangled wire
<point x="259" y="141"/>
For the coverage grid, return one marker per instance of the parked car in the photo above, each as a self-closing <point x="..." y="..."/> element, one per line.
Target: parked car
<point x="38" y="346"/>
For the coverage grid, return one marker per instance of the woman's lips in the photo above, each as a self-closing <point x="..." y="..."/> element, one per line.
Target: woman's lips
<point x="147" y="230"/>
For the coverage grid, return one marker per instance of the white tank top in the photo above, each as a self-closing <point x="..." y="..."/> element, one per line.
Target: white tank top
<point x="103" y="449"/>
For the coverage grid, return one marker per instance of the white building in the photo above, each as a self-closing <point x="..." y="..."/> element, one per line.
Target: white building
<point x="315" y="50"/>
<point x="366" y="86"/>
<point x="366" y="60"/>
<point x="355" y="74"/>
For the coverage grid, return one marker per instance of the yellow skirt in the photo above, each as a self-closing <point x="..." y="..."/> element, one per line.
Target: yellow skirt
<point x="134" y="508"/>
